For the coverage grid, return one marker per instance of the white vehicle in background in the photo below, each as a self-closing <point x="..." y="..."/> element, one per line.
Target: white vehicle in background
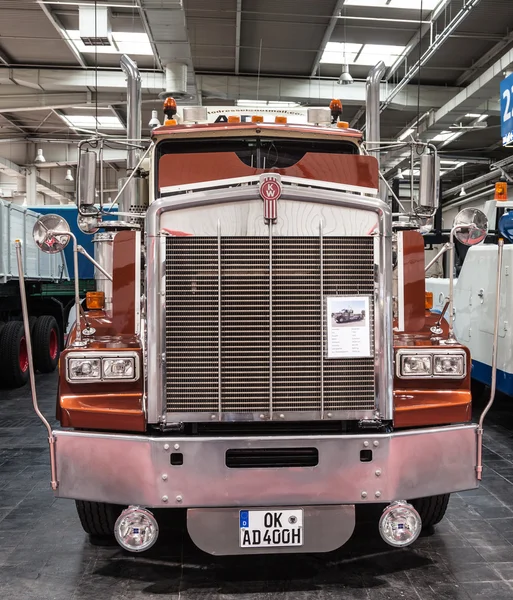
<point x="474" y="305"/>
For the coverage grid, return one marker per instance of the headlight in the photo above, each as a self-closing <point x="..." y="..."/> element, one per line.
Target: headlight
<point x="444" y="364"/>
<point x="85" y="369"/>
<point x="93" y="366"/>
<point x="118" y="368"/>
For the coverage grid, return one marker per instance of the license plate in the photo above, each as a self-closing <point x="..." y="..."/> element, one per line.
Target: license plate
<point x="271" y="528"/>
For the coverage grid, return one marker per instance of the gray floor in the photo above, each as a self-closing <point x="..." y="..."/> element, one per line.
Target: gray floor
<point x="44" y="553"/>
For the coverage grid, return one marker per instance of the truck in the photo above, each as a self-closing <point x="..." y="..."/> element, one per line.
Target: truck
<point x="347" y="315"/>
<point x="213" y="381"/>
<point x="47" y="282"/>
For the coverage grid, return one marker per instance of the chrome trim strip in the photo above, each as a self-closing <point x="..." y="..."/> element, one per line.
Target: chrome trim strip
<point x="271" y="408"/>
<point x="321" y="300"/>
<point x="156" y="280"/>
<point x="219" y="326"/>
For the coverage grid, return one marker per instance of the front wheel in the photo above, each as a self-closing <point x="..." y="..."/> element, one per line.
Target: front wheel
<point x="431" y="509"/>
<point x="98" y="518"/>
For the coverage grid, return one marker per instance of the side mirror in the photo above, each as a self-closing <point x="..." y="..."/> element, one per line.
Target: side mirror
<point x="46" y="233"/>
<point x="473" y="226"/>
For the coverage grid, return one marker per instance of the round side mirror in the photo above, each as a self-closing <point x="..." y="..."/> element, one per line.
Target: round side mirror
<point x="46" y="234"/>
<point x="88" y="223"/>
<point x="473" y="226"/>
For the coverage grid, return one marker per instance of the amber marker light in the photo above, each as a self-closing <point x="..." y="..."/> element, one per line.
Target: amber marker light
<point x="233" y="119"/>
<point x="280" y="120"/>
<point x="501" y="191"/>
<point x="429" y="300"/>
<point x="257" y="119"/>
<point x="95" y="300"/>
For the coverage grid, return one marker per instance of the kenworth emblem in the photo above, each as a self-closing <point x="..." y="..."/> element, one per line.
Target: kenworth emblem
<point x="270" y="190"/>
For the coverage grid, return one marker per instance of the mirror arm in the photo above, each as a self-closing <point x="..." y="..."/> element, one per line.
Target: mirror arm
<point x="82" y="250"/>
<point x="444" y="249"/>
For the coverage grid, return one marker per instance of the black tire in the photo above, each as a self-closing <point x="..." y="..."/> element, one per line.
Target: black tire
<point x="12" y="345"/>
<point x="97" y="518"/>
<point x="45" y="346"/>
<point x="431" y="509"/>
<point x="32" y="324"/>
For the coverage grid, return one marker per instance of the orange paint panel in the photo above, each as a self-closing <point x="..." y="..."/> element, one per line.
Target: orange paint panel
<point x="423" y="408"/>
<point x="123" y="282"/>
<point x="351" y="169"/>
<point x="413" y="266"/>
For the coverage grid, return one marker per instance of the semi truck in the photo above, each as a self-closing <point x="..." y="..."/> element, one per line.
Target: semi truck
<point x="205" y="374"/>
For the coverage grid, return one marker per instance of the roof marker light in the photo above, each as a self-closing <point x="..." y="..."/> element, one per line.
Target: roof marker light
<point x="343" y="124"/>
<point x="257" y="119"/>
<point x="280" y="120"/>
<point x="233" y="119"/>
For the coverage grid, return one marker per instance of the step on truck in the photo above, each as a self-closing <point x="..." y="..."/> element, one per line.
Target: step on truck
<point x="206" y="374"/>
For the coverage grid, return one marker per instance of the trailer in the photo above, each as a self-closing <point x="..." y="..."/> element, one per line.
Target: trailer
<point x="48" y="295"/>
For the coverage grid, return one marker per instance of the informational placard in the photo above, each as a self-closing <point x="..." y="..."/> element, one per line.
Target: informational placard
<point x="507" y="110"/>
<point x="348" y="326"/>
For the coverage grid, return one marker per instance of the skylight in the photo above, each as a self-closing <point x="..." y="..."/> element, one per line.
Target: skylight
<point x="412" y="4"/>
<point x="443" y="136"/>
<point x="339" y="53"/>
<point x="133" y="44"/>
<point x="90" y="121"/>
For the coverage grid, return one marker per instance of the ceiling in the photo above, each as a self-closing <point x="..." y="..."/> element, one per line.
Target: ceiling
<point x="291" y="50"/>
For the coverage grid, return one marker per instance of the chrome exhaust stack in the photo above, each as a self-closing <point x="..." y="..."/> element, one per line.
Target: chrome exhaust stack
<point x="400" y="524"/>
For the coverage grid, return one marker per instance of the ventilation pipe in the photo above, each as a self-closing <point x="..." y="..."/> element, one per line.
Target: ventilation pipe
<point x="176" y="80"/>
<point x="372" y="89"/>
<point x="134" y="118"/>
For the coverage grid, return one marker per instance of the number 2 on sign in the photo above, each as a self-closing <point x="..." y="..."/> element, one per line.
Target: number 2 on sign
<point x="507" y="96"/>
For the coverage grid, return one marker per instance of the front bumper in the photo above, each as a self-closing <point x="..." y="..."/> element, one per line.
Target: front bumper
<point x="137" y="470"/>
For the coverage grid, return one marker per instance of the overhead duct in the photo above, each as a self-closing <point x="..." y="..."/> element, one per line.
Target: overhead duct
<point x="94" y="26"/>
<point x="176" y="81"/>
<point x="134" y="118"/>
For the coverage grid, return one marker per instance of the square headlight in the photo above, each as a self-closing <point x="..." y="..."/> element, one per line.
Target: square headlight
<point x="416" y="365"/>
<point x="84" y="369"/>
<point x="450" y="365"/>
<point x="118" y="368"/>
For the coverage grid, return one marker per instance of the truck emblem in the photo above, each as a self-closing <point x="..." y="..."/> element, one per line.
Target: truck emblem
<point x="270" y="191"/>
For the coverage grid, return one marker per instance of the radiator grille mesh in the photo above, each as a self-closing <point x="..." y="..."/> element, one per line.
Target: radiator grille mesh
<point x="229" y="367"/>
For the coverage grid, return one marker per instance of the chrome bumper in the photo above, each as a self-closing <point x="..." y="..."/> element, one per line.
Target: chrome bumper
<point x="130" y="469"/>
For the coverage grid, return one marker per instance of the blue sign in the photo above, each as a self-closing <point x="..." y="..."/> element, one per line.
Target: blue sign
<point x="507" y="110"/>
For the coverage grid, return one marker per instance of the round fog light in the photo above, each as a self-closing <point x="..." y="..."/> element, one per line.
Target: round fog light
<point x="136" y="529"/>
<point x="400" y="524"/>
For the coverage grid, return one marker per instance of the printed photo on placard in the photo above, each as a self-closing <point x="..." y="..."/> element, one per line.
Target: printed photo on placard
<point x="348" y="326"/>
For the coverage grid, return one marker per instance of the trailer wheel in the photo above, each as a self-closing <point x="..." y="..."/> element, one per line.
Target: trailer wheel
<point x="431" y="509"/>
<point x="46" y="344"/>
<point x="14" y="354"/>
<point x="98" y="518"/>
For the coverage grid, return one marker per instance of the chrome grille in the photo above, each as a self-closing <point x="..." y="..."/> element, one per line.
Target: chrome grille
<point x="245" y="324"/>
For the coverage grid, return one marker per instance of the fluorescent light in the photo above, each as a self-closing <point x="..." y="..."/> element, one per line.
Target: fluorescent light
<point x="340" y="53"/>
<point x="133" y="44"/>
<point x="405" y="134"/>
<point x="90" y="121"/>
<point x="411" y="4"/>
<point x="472" y="116"/>
<point x="443" y="136"/>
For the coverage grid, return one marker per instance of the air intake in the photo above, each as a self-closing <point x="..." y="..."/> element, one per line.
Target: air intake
<point x="94" y="26"/>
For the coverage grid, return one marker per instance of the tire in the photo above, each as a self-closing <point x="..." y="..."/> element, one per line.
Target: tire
<point x="45" y="347"/>
<point x="14" y="355"/>
<point x="32" y="324"/>
<point x="431" y="509"/>
<point x="98" y="518"/>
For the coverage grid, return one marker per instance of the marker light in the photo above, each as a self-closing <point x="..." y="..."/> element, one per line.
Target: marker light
<point x="506" y="225"/>
<point x="136" y="529"/>
<point x="343" y="124"/>
<point x="428" y="300"/>
<point x="400" y="524"/>
<point x="280" y="120"/>
<point x="95" y="300"/>
<point x="257" y="119"/>
<point x="233" y="119"/>
<point x="501" y="191"/>
<point x="170" y="122"/>
<point x="336" y="109"/>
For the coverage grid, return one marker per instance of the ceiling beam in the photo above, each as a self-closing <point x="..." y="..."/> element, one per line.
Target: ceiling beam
<point x="55" y="21"/>
<point x="327" y="36"/>
<point x="485" y="59"/>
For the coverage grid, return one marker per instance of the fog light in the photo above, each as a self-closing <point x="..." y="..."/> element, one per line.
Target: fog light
<point x="400" y="524"/>
<point x="136" y="529"/>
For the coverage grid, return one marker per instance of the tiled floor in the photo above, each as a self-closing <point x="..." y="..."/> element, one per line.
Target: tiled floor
<point x="44" y="553"/>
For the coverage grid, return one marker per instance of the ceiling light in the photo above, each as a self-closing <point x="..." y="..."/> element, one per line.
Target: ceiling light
<point x="443" y="136"/>
<point x="472" y="116"/>
<point x="412" y="4"/>
<point x="345" y="77"/>
<point x="154" y="121"/>
<point x="399" y="174"/>
<point x="69" y="176"/>
<point x="406" y="134"/>
<point x="39" y="156"/>
<point x="92" y="122"/>
<point x="361" y="54"/>
<point x="463" y="192"/>
<point x="268" y="103"/>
